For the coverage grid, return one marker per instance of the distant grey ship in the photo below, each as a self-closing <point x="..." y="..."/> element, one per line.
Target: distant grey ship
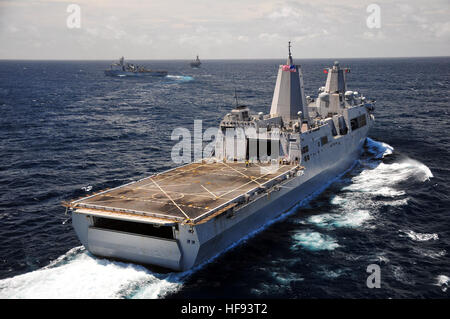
<point x="122" y="69"/>
<point x="183" y="217"/>
<point x="196" y="63"/>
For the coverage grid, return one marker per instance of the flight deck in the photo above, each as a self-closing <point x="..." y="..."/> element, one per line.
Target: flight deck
<point x="188" y="193"/>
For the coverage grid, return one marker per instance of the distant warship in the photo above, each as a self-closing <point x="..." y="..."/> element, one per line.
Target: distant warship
<point x="128" y="69"/>
<point x="187" y="215"/>
<point x="196" y="63"/>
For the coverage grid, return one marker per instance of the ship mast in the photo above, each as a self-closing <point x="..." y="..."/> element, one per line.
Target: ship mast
<point x="289" y="95"/>
<point x="289" y="61"/>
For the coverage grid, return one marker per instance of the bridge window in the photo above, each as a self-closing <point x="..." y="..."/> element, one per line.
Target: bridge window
<point x="362" y="120"/>
<point x="358" y="122"/>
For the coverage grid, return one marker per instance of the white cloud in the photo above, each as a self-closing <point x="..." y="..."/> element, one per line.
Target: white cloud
<point x="285" y="12"/>
<point x="374" y="34"/>
<point x="268" y="36"/>
<point x="442" y="30"/>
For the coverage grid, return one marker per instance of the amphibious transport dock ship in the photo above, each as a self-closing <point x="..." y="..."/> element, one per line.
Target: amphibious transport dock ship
<point x="122" y="69"/>
<point x="184" y="216"/>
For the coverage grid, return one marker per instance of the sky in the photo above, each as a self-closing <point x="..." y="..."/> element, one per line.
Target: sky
<point x="223" y="29"/>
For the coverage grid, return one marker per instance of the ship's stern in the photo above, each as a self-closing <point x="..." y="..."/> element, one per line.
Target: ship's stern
<point x="145" y="243"/>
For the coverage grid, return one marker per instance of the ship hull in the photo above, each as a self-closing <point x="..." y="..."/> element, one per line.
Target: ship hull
<point x="193" y="245"/>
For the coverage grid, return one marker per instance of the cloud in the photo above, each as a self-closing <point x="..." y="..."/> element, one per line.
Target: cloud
<point x="437" y="29"/>
<point x="374" y="34"/>
<point x="222" y="29"/>
<point x="269" y="36"/>
<point x="285" y="12"/>
<point x="243" y="38"/>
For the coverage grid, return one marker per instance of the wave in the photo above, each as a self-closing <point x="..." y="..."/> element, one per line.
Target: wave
<point x="331" y="274"/>
<point x="77" y="274"/>
<point x="180" y="78"/>
<point x="351" y="219"/>
<point x="443" y="281"/>
<point x="314" y="241"/>
<point x="382" y="179"/>
<point x="430" y="253"/>
<point x="401" y="275"/>
<point x="374" y="185"/>
<point x="419" y="236"/>
<point x="378" y="149"/>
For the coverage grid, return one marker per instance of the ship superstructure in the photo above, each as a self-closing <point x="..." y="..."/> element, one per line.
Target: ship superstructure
<point x="262" y="165"/>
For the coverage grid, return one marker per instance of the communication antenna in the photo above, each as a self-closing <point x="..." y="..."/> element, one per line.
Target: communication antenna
<point x="236" y="98"/>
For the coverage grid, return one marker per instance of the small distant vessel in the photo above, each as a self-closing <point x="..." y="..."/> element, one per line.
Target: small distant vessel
<point x="128" y="69"/>
<point x="196" y="63"/>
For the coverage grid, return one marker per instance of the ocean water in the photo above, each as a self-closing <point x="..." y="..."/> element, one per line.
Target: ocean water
<point x="67" y="130"/>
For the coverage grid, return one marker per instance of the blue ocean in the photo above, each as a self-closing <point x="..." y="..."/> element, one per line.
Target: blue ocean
<point x="67" y="130"/>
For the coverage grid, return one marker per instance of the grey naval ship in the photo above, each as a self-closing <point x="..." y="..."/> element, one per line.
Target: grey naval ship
<point x="182" y="217"/>
<point x="196" y="63"/>
<point x="122" y="69"/>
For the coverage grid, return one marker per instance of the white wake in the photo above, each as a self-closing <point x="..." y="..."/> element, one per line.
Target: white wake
<point x="77" y="274"/>
<point x="377" y="185"/>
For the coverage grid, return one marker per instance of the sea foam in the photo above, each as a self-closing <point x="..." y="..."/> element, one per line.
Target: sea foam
<point x="443" y="282"/>
<point x="378" y="149"/>
<point x="358" y="202"/>
<point x="314" y="241"/>
<point x="78" y="274"/>
<point x="419" y="236"/>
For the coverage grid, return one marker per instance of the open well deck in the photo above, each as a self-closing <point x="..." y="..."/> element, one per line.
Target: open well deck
<point x="187" y="193"/>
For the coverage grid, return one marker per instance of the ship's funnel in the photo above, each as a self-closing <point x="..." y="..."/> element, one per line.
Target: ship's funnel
<point x="336" y="82"/>
<point x="289" y="95"/>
